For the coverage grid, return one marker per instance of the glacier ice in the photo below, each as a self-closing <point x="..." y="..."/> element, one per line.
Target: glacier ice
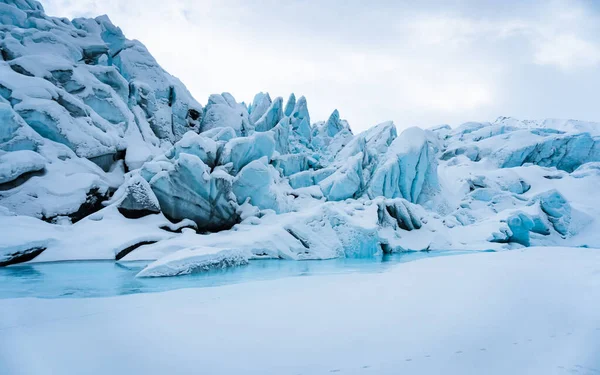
<point x="301" y="120"/>
<point x="345" y="182"/>
<point x="409" y="169"/>
<point x="271" y="116"/>
<point x="257" y="182"/>
<point x="242" y="150"/>
<point x="558" y="210"/>
<point x="262" y="101"/>
<point x="96" y="138"/>
<point x="223" y="111"/>
<point x="187" y="189"/>
<point x="291" y="164"/>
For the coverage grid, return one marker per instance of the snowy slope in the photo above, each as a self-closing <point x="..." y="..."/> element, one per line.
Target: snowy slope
<point x="96" y="140"/>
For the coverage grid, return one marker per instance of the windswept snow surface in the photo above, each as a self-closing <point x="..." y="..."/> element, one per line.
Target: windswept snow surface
<point x="98" y="141"/>
<point x="529" y="311"/>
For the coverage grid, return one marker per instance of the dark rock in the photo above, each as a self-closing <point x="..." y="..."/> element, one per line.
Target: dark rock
<point x="21" y="256"/>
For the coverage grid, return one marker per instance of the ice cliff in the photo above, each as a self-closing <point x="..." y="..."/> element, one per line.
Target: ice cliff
<point x="104" y="155"/>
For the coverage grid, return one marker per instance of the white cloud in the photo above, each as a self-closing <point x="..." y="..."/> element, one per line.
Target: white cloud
<point x="567" y="51"/>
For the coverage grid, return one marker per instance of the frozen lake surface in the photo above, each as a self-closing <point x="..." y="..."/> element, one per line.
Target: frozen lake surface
<point x="107" y="278"/>
<point x="527" y="311"/>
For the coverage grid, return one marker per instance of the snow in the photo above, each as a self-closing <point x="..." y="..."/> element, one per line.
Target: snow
<point x="26" y="233"/>
<point x="452" y="315"/>
<point x="14" y="164"/>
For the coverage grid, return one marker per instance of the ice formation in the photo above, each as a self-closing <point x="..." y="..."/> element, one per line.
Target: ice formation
<point x="100" y="146"/>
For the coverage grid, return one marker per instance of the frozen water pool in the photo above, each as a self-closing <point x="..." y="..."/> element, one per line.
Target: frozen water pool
<point x="78" y="279"/>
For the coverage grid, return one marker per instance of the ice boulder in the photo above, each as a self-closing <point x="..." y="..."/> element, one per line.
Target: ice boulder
<point x="373" y="142"/>
<point x="520" y="225"/>
<point x="290" y="164"/>
<point x="408" y="169"/>
<point x="17" y="163"/>
<point x="355" y="225"/>
<point x="300" y="119"/>
<point x="331" y="136"/>
<point x="398" y="213"/>
<point x="196" y="144"/>
<point x="331" y="127"/>
<point x="195" y="260"/>
<point x="223" y="111"/>
<point x="260" y="104"/>
<point x="15" y="134"/>
<point x="470" y="151"/>
<point x="558" y="210"/>
<point x="242" y="150"/>
<point x="310" y="177"/>
<point x="346" y="182"/>
<point x="290" y="105"/>
<point x="271" y="117"/>
<point x="281" y="135"/>
<point x="257" y="182"/>
<point x="220" y="134"/>
<point x="139" y="200"/>
<point x="186" y="189"/>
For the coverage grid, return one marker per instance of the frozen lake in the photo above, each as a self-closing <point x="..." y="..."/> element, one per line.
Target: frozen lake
<point x="107" y="278"/>
<point x="526" y="311"/>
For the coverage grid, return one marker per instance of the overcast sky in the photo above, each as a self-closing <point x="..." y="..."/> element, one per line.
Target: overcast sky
<point x="420" y="64"/>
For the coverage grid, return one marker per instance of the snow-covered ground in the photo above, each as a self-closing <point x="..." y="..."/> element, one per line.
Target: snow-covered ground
<point x="527" y="311"/>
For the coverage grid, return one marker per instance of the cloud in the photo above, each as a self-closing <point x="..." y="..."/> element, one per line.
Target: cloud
<point x="567" y="51"/>
<point x="417" y="64"/>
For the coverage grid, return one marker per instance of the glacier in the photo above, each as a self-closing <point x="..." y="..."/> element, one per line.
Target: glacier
<point x="101" y="146"/>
